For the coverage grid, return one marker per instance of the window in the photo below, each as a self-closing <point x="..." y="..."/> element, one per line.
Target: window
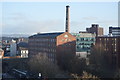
<point x="92" y="39"/>
<point x="82" y="39"/>
<point x="77" y="46"/>
<point x="115" y="50"/>
<point x="66" y="35"/>
<point x="63" y="40"/>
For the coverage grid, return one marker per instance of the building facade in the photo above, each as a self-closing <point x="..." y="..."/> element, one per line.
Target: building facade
<point x="114" y="31"/>
<point x="111" y="46"/>
<point x="23" y="52"/>
<point x="13" y="48"/>
<point x="1" y="53"/>
<point x="84" y="41"/>
<point x="51" y="44"/>
<point x="95" y="29"/>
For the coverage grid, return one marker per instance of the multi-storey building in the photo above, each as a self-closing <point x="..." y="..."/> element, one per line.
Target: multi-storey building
<point x="111" y="45"/>
<point x="52" y="44"/>
<point x="13" y="48"/>
<point x="114" y="31"/>
<point x="1" y="53"/>
<point x="95" y="29"/>
<point x="23" y="52"/>
<point x="84" y="41"/>
<point x="6" y="46"/>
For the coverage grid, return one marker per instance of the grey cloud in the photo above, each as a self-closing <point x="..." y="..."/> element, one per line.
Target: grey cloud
<point x="30" y="26"/>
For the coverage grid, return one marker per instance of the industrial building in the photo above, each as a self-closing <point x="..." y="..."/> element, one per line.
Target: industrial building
<point x="111" y="45"/>
<point x="53" y="44"/>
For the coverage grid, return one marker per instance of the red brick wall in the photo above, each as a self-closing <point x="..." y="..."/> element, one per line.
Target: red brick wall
<point x="66" y="42"/>
<point x="109" y="47"/>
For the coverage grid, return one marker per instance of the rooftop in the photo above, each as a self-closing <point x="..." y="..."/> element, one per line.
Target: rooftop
<point x="47" y="34"/>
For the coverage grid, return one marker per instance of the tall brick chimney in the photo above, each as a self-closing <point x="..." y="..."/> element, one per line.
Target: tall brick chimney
<point x="67" y="19"/>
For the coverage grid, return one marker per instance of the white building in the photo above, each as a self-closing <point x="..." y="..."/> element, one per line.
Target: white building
<point x="1" y="53"/>
<point x="13" y="48"/>
<point x="23" y="52"/>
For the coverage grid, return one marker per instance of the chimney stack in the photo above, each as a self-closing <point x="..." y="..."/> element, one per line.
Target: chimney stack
<point x="67" y="19"/>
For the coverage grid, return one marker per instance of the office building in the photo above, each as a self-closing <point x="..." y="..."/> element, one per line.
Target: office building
<point x="95" y="29"/>
<point x="84" y="42"/>
<point x="114" y="31"/>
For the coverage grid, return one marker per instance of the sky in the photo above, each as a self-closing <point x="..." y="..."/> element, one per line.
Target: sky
<point x="33" y="17"/>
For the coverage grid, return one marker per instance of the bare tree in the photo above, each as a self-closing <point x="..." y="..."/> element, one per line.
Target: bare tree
<point x="41" y="64"/>
<point x="99" y="62"/>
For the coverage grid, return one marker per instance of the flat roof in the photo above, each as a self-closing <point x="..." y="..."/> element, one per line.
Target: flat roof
<point x="47" y="34"/>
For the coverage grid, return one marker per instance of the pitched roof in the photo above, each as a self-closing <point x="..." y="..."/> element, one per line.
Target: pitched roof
<point x="23" y="44"/>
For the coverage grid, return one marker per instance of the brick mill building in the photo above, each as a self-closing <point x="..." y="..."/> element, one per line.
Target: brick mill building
<point x="52" y="44"/>
<point x="111" y="45"/>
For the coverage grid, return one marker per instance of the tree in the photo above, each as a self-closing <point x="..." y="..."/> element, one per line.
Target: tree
<point x="71" y="63"/>
<point x="77" y="66"/>
<point x="99" y="62"/>
<point x="63" y="60"/>
<point x="41" y="64"/>
<point x="85" y="76"/>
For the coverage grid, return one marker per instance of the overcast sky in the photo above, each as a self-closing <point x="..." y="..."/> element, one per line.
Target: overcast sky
<point x="33" y="17"/>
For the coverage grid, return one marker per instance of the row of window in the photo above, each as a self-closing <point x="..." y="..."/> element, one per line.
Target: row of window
<point x="85" y="43"/>
<point x="43" y="44"/>
<point x="65" y="40"/>
<point x="83" y="47"/>
<point x="85" y="39"/>
<point x="108" y="50"/>
<point x="43" y="40"/>
<point x="108" y="39"/>
<point x="51" y="55"/>
<point x="24" y="55"/>
<point x="43" y="49"/>
<point x="106" y="47"/>
<point x="66" y="45"/>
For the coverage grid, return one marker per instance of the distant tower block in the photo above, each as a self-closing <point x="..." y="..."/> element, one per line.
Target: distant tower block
<point x="67" y="19"/>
